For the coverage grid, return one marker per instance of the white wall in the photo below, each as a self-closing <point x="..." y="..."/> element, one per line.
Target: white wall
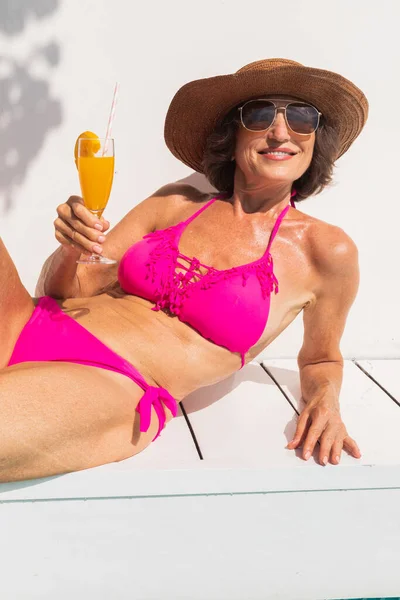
<point x="60" y="59"/>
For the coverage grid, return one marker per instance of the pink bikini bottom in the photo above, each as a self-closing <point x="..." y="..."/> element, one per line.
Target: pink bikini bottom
<point x="51" y="335"/>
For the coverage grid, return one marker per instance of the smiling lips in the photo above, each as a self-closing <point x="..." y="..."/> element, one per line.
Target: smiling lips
<point x="278" y="154"/>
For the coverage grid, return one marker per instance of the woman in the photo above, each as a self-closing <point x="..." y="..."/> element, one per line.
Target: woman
<point x="85" y="379"/>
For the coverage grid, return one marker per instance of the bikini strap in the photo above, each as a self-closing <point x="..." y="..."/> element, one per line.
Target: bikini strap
<point x="198" y="212"/>
<point x="273" y="233"/>
<point x="276" y="227"/>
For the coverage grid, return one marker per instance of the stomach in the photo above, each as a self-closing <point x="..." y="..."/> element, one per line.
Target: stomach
<point x="166" y="351"/>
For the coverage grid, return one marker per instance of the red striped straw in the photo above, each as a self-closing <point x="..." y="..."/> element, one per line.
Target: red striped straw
<point x="111" y="117"/>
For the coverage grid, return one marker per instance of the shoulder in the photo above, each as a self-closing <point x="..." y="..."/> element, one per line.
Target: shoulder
<point x="333" y="255"/>
<point x="330" y="247"/>
<point x="334" y="250"/>
<point x="177" y="201"/>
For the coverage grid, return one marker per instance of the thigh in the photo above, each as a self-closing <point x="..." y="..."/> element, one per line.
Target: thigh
<point x="16" y="305"/>
<point x="62" y="417"/>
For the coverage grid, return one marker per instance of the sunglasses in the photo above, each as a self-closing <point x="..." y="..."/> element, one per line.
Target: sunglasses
<point x="259" y="115"/>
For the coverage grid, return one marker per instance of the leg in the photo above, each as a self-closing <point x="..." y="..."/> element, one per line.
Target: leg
<point x="62" y="417"/>
<point x="16" y="305"/>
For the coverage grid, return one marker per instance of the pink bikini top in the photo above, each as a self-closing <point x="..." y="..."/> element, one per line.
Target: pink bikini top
<point x="229" y="307"/>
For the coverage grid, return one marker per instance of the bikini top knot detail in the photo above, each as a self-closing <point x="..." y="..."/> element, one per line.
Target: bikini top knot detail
<point x="228" y="307"/>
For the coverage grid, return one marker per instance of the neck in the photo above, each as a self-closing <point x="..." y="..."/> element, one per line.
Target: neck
<point x="262" y="199"/>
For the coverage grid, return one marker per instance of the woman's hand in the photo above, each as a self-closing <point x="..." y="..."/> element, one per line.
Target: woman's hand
<point x="78" y="228"/>
<point x="321" y="420"/>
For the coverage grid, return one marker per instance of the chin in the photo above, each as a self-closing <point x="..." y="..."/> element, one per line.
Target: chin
<point x="280" y="173"/>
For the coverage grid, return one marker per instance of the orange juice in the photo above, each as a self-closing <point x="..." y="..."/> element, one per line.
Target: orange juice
<point x="96" y="176"/>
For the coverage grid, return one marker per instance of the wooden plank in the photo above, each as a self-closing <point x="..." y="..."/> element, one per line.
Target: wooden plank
<point x="206" y="477"/>
<point x="303" y="546"/>
<point x="242" y="419"/>
<point x="370" y="416"/>
<point x="386" y="373"/>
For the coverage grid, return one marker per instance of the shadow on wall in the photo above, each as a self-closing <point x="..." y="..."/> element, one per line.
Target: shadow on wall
<point x="27" y="109"/>
<point x="199" y="181"/>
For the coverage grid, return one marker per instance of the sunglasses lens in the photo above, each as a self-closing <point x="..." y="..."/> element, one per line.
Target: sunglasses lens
<point x="258" y="115"/>
<point x="302" y="118"/>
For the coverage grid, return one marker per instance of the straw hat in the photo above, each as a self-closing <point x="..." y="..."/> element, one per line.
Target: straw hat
<point x="198" y="106"/>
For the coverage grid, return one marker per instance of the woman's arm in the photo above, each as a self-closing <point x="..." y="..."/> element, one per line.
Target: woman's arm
<point x="58" y="277"/>
<point x="62" y="277"/>
<point x="320" y="360"/>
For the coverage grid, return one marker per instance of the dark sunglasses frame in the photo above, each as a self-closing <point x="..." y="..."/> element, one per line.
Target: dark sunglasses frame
<point x="284" y="108"/>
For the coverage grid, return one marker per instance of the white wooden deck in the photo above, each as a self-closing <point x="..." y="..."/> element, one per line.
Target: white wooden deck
<point x="225" y="513"/>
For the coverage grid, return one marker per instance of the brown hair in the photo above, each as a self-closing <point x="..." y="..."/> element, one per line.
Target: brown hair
<point x="220" y="146"/>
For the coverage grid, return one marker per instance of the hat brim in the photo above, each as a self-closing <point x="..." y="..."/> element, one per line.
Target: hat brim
<point x="198" y="106"/>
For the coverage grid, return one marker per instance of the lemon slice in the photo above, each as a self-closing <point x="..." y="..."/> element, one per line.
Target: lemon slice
<point x="89" y="147"/>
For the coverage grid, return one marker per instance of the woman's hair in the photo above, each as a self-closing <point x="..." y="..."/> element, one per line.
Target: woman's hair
<point x="220" y="147"/>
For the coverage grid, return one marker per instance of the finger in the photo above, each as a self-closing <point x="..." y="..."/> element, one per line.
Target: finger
<point x="65" y="210"/>
<point x="301" y="431"/>
<point x="351" y="447"/>
<point x="314" y="433"/>
<point x="67" y="241"/>
<point x="336" y="452"/>
<point x="327" y="440"/>
<point x="303" y="435"/>
<point x="74" y="207"/>
<point x="78" y="232"/>
<point x="105" y="224"/>
<point x="298" y="438"/>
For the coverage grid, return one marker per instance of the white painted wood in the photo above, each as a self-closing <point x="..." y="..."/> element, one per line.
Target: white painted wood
<point x="285" y="546"/>
<point x="204" y="477"/>
<point x="370" y="416"/>
<point x="254" y="421"/>
<point x="386" y="372"/>
<point x="243" y="418"/>
<point x="251" y="521"/>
